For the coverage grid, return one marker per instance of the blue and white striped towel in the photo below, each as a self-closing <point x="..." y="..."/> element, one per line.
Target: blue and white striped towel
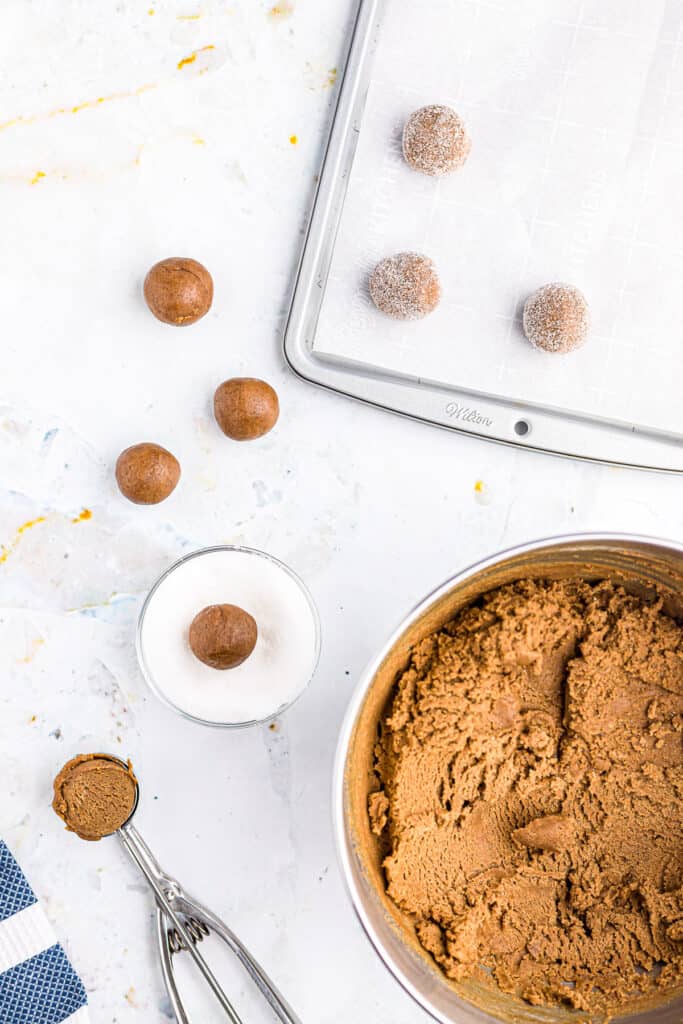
<point x="38" y="985"/>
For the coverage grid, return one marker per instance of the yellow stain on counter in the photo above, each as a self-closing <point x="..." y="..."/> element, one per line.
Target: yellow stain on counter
<point x="21" y="121"/>
<point x="108" y="601"/>
<point x="482" y="493"/>
<point x="285" y="9"/>
<point x="38" y="176"/>
<point x="198" y="140"/>
<point x="28" y="658"/>
<point x="7" y="549"/>
<point x="331" y="78"/>
<point x="83" y="516"/>
<point x="193" y="56"/>
<point x="294" y="139"/>
<point x="188" y="17"/>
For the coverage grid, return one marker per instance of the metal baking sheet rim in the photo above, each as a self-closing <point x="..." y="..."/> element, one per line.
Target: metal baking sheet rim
<point x="519" y="425"/>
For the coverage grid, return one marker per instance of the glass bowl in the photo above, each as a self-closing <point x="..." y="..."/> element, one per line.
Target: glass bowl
<point x="156" y="685"/>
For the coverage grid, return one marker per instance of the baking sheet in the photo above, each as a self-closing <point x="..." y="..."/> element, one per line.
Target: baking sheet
<point x="576" y="115"/>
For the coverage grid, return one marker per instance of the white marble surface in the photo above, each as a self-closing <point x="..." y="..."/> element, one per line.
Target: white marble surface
<point x="115" y="153"/>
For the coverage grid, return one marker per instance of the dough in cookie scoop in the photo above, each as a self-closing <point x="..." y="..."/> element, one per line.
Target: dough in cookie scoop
<point x="94" y="795"/>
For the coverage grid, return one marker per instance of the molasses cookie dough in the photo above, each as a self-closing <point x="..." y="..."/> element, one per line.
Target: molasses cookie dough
<point x="531" y="795"/>
<point x="435" y="141"/>
<point x="405" y="286"/>
<point x="94" y="795"/>
<point x="556" y="318"/>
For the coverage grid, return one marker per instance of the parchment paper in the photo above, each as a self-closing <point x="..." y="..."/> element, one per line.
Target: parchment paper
<point x="575" y="110"/>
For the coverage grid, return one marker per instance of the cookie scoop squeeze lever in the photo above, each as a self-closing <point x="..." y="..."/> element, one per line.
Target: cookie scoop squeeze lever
<point x="97" y="795"/>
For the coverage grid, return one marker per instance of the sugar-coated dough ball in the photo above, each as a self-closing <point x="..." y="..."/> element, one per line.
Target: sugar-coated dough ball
<point x="556" y="318"/>
<point x="435" y="141"/>
<point x="179" y="291"/>
<point x="405" y="286"/>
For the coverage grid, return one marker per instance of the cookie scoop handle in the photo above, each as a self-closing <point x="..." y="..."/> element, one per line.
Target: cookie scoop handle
<point x="169" y="898"/>
<point x="201" y="916"/>
<point x="182" y="923"/>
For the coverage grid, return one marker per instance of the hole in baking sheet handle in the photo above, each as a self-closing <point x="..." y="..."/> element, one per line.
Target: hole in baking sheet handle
<point x="522" y="428"/>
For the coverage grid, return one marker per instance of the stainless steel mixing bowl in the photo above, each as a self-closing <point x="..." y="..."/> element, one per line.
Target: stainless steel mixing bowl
<point x="645" y="566"/>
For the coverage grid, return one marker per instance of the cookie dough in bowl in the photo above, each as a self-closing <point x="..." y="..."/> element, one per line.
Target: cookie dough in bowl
<point x="509" y="788"/>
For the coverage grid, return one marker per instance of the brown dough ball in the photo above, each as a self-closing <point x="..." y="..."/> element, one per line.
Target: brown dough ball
<point x="405" y="286"/>
<point x="147" y="473"/>
<point x="223" y="635"/>
<point x="435" y="141"/>
<point x="179" y="291"/>
<point x="556" y="318"/>
<point x="245" y="408"/>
